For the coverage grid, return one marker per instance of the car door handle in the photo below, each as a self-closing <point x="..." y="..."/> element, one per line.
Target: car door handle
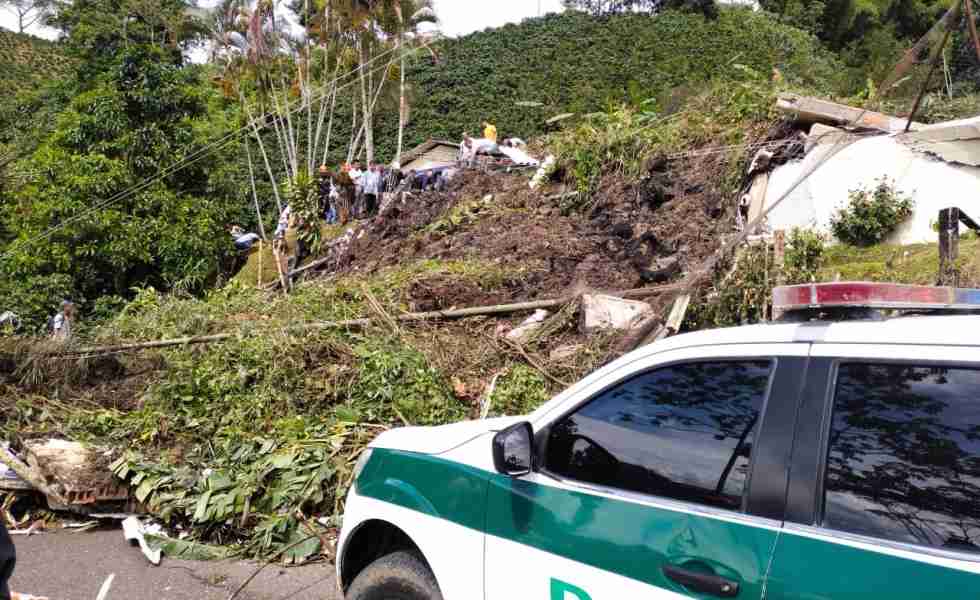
<point x="702" y="582"/>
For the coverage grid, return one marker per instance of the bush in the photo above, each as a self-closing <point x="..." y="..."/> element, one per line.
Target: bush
<point x="804" y="256"/>
<point x="871" y="214"/>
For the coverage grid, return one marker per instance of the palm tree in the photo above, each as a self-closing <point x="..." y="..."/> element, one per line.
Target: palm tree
<point x="420" y="12"/>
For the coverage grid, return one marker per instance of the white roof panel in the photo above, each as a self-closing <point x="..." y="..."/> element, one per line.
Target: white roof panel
<point x="957" y="330"/>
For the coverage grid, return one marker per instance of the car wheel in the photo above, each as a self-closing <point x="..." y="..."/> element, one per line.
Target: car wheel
<point x="396" y="576"/>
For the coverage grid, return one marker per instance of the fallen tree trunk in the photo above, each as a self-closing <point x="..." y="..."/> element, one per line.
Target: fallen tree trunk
<point x="28" y="474"/>
<point x="461" y="313"/>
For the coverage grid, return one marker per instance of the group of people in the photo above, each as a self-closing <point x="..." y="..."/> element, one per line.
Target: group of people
<point x="430" y="179"/>
<point x="353" y="192"/>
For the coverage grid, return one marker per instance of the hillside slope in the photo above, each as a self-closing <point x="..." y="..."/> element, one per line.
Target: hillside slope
<point x="27" y="62"/>
<point x="572" y="62"/>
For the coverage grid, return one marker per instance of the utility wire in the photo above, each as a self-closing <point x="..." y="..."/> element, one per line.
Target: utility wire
<point x="259" y="122"/>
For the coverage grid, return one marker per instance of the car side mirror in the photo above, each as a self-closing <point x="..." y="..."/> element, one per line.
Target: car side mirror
<point x="513" y="450"/>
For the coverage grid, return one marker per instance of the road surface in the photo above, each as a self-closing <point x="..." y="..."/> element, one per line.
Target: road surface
<point x="72" y="566"/>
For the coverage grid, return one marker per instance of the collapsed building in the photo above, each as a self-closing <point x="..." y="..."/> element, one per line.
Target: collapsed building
<point x="937" y="166"/>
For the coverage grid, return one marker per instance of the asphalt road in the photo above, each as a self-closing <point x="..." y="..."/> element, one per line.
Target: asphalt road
<point x="73" y="566"/>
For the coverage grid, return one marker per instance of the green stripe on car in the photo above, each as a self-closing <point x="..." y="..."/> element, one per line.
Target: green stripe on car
<point x="613" y="535"/>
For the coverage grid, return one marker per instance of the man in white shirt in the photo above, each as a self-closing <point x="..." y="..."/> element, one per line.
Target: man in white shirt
<point x="357" y="176"/>
<point x="61" y="327"/>
<point x="372" y="187"/>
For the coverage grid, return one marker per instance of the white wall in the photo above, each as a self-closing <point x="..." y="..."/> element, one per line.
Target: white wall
<point x="931" y="183"/>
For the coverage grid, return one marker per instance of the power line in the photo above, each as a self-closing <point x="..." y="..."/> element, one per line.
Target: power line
<point x="198" y="155"/>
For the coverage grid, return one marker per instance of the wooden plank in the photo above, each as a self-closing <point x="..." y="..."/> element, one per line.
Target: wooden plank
<point x="815" y="110"/>
<point x="779" y="255"/>
<point x="757" y="196"/>
<point x="949" y="246"/>
<point x="674" y="321"/>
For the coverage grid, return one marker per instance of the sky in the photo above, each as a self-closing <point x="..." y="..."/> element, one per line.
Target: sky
<point x="459" y="17"/>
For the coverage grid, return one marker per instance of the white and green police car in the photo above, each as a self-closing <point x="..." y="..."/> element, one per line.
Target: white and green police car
<point x="803" y="460"/>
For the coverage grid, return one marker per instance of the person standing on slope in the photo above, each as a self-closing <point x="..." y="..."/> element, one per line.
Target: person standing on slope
<point x="490" y="132"/>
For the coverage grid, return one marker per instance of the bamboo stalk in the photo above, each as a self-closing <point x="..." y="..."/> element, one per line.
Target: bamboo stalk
<point x="972" y="24"/>
<point x="255" y="194"/>
<point x="261" y="252"/>
<point x="265" y="156"/>
<point x="283" y="278"/>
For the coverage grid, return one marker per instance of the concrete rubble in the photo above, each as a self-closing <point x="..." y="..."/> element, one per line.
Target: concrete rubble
<point x="523" y="331"/>
<point x="79" y="473"/>
<point x="814" y="110"/>
<point x="603" y="313"/>
<point x="936" y="166"/>
<point x="954" y="141"/>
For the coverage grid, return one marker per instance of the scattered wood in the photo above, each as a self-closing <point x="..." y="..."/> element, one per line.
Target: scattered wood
<point x="815" y="110"/>
<point x="779" y="255"/>
<point x="637" y="336"/>
<point x="479" y="311"/>
<point x="279" y="257"/>
<point x="35" y="528"/>
<point x="565" y="352"/>
<point x="488" y="395"/>
<point x="676" y="317"/>
<point x="520" y="349"/>
<point x="756" y="198"/>
<point x="949" y="246"/>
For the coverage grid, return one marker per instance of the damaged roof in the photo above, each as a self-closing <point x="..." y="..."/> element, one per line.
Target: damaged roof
<point x="422" y="149"/>
<point x="953" y="141"/>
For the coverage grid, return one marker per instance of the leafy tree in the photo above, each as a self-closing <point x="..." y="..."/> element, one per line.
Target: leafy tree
<point x="599" y="8"/>
<point x="79" y="210"/>
<point x="98" y="31"/>
<point x="844" y="22"/>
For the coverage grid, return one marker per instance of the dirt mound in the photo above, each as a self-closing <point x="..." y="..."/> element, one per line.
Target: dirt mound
<point x="626" y="235"/>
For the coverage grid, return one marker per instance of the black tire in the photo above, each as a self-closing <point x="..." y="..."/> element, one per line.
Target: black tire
<point x="396" y="576"/>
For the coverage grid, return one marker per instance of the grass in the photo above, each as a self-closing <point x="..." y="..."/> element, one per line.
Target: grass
<point x="260" y="266"/>
<point x="916" y="264"/>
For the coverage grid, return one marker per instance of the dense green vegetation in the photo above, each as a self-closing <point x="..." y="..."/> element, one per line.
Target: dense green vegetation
<point x="243" y="441"/>
<point x="27" y="62"/>
<point x="134" y="108"/>
<point x="572" y="63"/>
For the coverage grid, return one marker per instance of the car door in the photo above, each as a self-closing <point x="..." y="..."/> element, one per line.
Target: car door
<point x="884" y="497"/>
<point x="644" y="484"/>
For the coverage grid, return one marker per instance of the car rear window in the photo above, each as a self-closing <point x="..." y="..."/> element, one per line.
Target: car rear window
<point x="904" y="455"/>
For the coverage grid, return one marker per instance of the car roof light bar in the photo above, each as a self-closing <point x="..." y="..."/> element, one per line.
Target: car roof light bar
<point x="863" y="294"/>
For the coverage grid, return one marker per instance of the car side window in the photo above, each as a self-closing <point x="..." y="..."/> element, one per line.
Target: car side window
<point x="683" y="432"/>
<point x="904" y="455"/>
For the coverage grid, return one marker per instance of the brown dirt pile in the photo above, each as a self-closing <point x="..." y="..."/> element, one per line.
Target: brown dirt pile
<point x="628" y="234"/>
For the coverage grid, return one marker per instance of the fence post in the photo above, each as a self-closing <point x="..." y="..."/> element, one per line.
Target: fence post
<point x="779" y="255"/>
<point x="949" y="246"/>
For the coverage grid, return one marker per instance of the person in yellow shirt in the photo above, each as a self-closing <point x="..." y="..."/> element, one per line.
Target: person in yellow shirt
<point x="490" y="132"/>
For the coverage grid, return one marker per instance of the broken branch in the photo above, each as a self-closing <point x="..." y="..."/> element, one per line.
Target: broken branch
<point x="462" y="313"/>
<point x="29" y="475"/>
